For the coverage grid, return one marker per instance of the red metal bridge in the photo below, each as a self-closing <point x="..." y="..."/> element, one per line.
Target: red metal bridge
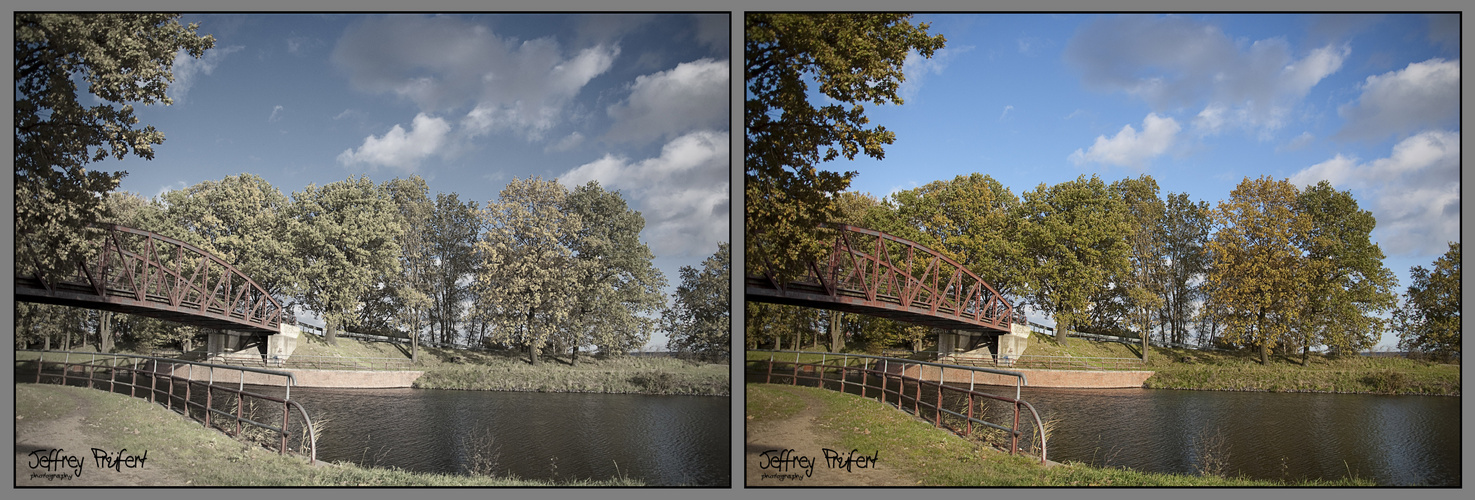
<point x="878" y="274"/>
<point x="145" y="273"/>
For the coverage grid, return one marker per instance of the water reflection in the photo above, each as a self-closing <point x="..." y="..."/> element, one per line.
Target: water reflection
<point x="1393" y="440"/>
<point x="662" y="440"/>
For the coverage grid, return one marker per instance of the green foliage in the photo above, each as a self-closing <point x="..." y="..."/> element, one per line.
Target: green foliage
<point x="1140" y="287"/>
<point x="1185" y="232"/>
<point x="1429" y="320"/>
<point x="346" y="235"/>
<point x="453" y="230"/>
<point x="1075" y="233"/>
<point x="123" y="58"/>
<point x="618" y="289"/>
<point x="527" y="277"/>
<point x="853" y="58"/>
<point x="242" y="219"/>
<point x="1258" y="281"/>
<point x="699" y="319"/>
<point x="1349" y="289"/>
<point x="971" y="219"/>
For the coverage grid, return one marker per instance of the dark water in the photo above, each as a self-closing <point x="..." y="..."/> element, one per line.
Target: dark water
<point x="1393" y="440"/>
<point x="661" y="440"/>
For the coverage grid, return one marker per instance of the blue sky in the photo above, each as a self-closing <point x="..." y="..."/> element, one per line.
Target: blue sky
<point x="1199" y="102"/>
<point x="639" y="102"/>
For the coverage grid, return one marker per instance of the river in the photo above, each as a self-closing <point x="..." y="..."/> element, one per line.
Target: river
<point x="1392" y="440"/>
<point x="660" y="440"/>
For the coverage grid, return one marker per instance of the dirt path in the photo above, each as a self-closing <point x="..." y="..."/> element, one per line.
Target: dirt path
<point x="801" y="434"/>
<point x="73" y="434"/>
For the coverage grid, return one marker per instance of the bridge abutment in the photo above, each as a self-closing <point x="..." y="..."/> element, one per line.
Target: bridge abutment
<point x="232" y="345"/>
<point x="976" y="346"/>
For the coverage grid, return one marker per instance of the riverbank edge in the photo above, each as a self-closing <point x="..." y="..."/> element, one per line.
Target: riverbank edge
<point x="952" y="461"/>
<point x="1418" y="379"/>
<point x="210" y="458"/>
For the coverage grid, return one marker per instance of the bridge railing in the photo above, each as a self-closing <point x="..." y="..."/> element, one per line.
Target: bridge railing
<point x="951" y="406"/>
<point x="181" y="391"/>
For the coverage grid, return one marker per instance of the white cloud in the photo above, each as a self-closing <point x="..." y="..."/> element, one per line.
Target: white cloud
<point x="186" y="69"/>
<point x="445" y="63"/>
<point x="568" y="142"/>
<point x="1007" y="107"/>
<point x="693" y="95"/>
<point x="399" y="149"/>
<point x="275" y="112"/>
<point x="1129" y="148"/>
<point x="916" y="68"/>
<point x="1414" y="193"/>
<point x="683" y="193"/>
<point x="1420" y="96"/>
<point x="1173" y="62"/>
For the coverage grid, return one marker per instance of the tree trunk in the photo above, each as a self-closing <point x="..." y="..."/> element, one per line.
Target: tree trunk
<point x="837" y="334"/>
<point x="1305" y="353"/>
<point x="533" y="353"/>
<point x="105" y="331"/>
<point x="415" y="345"/>
<point x="330" y="334"/>
<point x="574" y="358"/>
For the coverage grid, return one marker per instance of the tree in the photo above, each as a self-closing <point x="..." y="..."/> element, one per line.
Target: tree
<point x="1185" y="232"/>
<point x="1075" y="236"/>
<point x="345" y="236"/>
<point x="528" y="274"/>
<point x="618" y="289"/>
<point x="243" y="220"/>
<point x="453" y="229"/>
<point x="1140" y="286"/>
<point x="698" y="320"/>
<point x="853" y="58"/>
<point x="1429" y="320"/>
<point x="1349" y="289"/>
<point x="123" y="58"/>
<point x="1257" y="281"/>
<point x="398" y="299"/>
<point x="971" y="219"/>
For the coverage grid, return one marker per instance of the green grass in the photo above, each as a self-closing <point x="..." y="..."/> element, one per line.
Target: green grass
<point x="499" y="371"/>
<point x="197" y="456"/>
<point x="1242" y="371"/>
<point x="491" y="371"/>
<point x="935" y="457"/>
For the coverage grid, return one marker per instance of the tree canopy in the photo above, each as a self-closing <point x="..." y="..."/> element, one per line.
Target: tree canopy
<point x="853" y="58"/>
<point x="123" y="59"/>
<point x="698" y="320"/>
<point x="1429" y="320"/>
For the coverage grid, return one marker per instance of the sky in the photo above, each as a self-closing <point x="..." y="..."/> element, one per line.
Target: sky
<point x="1200" y="102"/>
<point x="637" y="102"/>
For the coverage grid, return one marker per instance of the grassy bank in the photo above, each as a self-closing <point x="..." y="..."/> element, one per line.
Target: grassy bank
<point x="929" y="456"/>
<point x="487" y="371"/>
<point x="499" y="371"/>
<point x="187" y="454"/>
<point x="1242" y="371"/>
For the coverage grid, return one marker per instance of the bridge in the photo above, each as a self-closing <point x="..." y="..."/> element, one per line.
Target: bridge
<point x="878" y="274"/>
<point x="148" y="274"/>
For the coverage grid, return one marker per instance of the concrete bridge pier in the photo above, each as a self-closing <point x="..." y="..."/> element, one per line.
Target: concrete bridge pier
<point x="238" y="346"/>
<point x="974" y="346"/>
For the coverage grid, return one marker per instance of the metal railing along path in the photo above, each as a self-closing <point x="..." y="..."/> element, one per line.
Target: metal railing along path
<point x="78" y="367"/>
<point x="888" y="369"/>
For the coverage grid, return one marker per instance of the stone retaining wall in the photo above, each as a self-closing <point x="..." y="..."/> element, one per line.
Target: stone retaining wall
<point x="343" y="379"/>
<point x="1078" y="379"/>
